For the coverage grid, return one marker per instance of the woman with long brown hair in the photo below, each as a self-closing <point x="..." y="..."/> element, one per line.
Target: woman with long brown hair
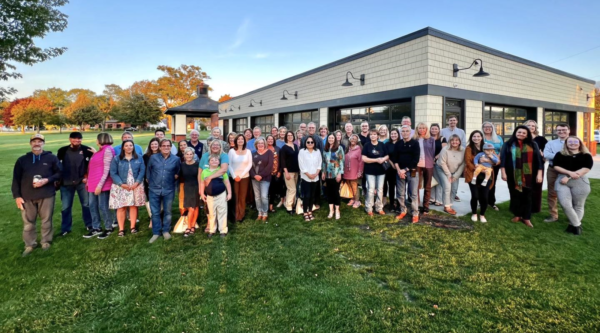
<point x="240" y="163"/>
<point x="332" y="171"/>
<point x="541" y="142"/>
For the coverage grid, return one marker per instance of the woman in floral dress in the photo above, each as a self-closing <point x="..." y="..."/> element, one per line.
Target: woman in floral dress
<point x="332" y="171"/>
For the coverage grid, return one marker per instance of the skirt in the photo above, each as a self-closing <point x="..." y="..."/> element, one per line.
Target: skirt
<point x="120" y="197"/>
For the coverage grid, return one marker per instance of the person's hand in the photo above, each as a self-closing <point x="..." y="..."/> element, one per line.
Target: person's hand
<point x="380" y="160"/>
<point x="574" y="175"/>
<point x="564" y="181"/>
<point x="338" y="178"/>
<point x="450" y="179"/>
<point x="98" y="190"/>
<point x="203" y="196"/>
<point x="19" y="201"/>
<point x="287" y="176"/>
<point x="92" y="149"/>
<point x="258" y="178"/>
<point x="278" y="174"/>
<point x="228" y="196"/>
<point x="359" y="175"/>
<point x="126" y="187"/>
<point x="323" y="177"/>
<point x="84" y="180"/>
<point x="539" y="179"/>
<point x="176" y="176"/>
<point x="206" y="181"/>
<point x="238" y="179"/>
<point x="134" y="186"/>
<point x="503" y="176"/>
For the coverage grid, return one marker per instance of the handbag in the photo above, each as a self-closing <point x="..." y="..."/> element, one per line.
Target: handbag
<point x="182" y="224"/>
<point x="386" y="165"/>
<point x="299" y="209"/>
<point x="346" y="191"/>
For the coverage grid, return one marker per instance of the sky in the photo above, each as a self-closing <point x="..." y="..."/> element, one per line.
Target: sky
<point x="245" y="45"/>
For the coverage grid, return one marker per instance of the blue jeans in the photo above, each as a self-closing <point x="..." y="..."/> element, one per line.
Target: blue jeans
<point x="413" y="191"/>
<point x="156" y="200"/>
<point x="374" y="183"/>
<point x="99" y="206"/>
<point x="261" y="196"/>
<point x="67" y="195"/>
<point x="449" y="189"/>
<point x="437" y="192"/>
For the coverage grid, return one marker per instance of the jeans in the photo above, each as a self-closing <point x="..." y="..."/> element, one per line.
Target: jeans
<point x="374" y="183"/>
<point x="67" y="195"/>
<point x="449" y="189"/>
<point x="261" y="196"/>
<point x="413" y="189"/>
<point x="437" y="192"/>
<point x="156" y="200"/>
<point x="99" y="206"/>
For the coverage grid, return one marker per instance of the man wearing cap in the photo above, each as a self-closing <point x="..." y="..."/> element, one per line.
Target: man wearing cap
<point x="34" y="193"/>
<point x="74" y="160"/>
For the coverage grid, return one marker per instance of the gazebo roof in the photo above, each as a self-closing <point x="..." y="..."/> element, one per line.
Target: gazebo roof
<point x="201" y="107"/>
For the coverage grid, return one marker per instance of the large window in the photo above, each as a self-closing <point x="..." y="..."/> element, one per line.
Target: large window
<point x="454" y="108"/>
<point x="506" y="118"/>
<point x="239" y="125"/>
<point x="390" y="115"/>
<point x="264" y="122"/>
<point x="293" y="120"/>
<point x="553" y="118"/>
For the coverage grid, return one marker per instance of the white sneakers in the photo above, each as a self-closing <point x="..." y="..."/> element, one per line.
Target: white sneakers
<point x="482" y="218"/>
<point x="474" y="217"/>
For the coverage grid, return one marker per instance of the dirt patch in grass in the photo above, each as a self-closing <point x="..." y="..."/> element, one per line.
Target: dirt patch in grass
<point x="438" y="221"/>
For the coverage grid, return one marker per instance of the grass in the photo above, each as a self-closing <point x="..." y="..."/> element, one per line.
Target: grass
<point x="358" y="274"/>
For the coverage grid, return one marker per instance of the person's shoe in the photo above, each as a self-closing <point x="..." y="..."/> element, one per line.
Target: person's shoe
<point x="415" y="219"/>
<point x="482" y="219"/>
<point x="551" y="219"/>
<point x="351" y="202"/>
<point x="515" y="219"/>
<point x="153" y="239"/>
<point x="104" y="235"/>
<point x="528" y="223"/>
<point x="400" y="216"/>
<point x="577" y="231"/>
<point x="484" y="182"/>
<point x="356" y="204"/>
<point x="166" y="235"/>
<point x="449" y="210"/>
<point x="330" y="214"/>
<point x="88" y="228"/>
<point x="381" y="212"/>
<point x="474" y="181"/>
<point x="494" y="207"/>
<point x="569" y="228"/>
<point x="46" y="246"/>
<point x="27" y="251"/>
<point x="64" y="233"/>
<point x="223" y="235"/>
<point x="474" y="217"/>
<point x="110" y="231"/>
<point x="280" y="204"/>
<point x="115" y="224"/>
<point x="456" y="198"/>
<point x="370" y="213"/>
<point x="93" y="233"/>
<point x="209" y="235"/>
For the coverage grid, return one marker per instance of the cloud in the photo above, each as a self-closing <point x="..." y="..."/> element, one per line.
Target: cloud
<point x="260" y="55"/>
<point x="240" y="34"/>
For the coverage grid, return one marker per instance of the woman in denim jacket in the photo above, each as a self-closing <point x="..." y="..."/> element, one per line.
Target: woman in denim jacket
<point x="127" y="192"/>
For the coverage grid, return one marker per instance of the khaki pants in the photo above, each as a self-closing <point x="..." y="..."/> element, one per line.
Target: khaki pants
<point x="290" y="194"/>
<point x="552" y="196"/>
<point x="44" y="208"/>
<point x="482" y="168"/>
<point x="217" y="213"/>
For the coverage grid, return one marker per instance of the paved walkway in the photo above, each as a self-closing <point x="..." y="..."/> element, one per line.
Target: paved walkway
<point x="463" y="207"/>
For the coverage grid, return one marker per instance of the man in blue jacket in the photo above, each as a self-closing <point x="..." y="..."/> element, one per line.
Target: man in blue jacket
<point x="33" y="189"/>
<point x="74" y="160"/>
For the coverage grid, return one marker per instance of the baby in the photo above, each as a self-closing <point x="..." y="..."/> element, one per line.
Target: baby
<point x="490" y="155"/>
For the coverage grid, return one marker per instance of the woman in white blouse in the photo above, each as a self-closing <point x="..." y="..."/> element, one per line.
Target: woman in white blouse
<point x="240" y="162"/>
<point x="310" y="161"/>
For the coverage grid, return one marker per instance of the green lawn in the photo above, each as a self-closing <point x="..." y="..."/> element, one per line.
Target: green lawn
<point x="356" y="275"/>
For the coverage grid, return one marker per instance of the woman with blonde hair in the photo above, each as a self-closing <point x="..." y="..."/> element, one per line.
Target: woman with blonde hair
<point x="384" y="134"/>
<point x="490" y="136"/>
<point x="426" y="160"/>
<point x="260" y="173"/>
<point x="437" y="194"/>
<point x="537" y="187"/>
<point x="572" y="163"/>
<point x="189" y="198"/>
<point x="231" y="140"/>
<point x="299" y="136"/>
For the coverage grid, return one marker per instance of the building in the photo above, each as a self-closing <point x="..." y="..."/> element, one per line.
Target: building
<point x="414" y="76"/>
<point x="200" y="107"/>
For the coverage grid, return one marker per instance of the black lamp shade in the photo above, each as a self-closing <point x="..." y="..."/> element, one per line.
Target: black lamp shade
<point x="284" y="98"/>
<point x="481" y="73"/>
<point x="347" y="83"/>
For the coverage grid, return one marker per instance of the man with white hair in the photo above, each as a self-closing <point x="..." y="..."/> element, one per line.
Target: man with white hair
<point x="281" y="139"/>
<point x="349" y="130"/>
<point x="256" y="133"/>
<point x="302" y="127"/>
<point x="312" y="132"/>
<point x="406" y="121"/>
<point x="195" y="143"/>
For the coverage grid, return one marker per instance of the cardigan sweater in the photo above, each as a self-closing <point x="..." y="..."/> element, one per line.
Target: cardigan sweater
<point x="99" y="169"/>
<point x="452" y="162"/>
<point x="353" y="163"/>
<point x="262" y="165"/>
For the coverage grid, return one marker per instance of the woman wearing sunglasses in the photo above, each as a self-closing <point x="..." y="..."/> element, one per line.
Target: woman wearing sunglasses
<point x="310" y="162"/>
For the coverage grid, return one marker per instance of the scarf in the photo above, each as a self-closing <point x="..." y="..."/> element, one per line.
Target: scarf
<point x="522" y="158"/>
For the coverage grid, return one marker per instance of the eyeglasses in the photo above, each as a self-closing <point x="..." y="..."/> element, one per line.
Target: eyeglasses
<point x="310" y="142"/>
<point x="572" y="142"/>
<point x="561" y="130"/>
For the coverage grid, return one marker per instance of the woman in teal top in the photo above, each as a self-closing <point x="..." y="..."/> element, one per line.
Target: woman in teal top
<point x="332" y="171"/>
<point x="490" y="136"/>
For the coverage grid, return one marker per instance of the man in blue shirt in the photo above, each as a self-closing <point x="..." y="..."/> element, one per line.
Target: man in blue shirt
<point x="162" y="172"/>
<point x="256" y="132"/>
<point x="552" y="147"/>
<point x="124" y="137"/>
<point x="195" y="143"/>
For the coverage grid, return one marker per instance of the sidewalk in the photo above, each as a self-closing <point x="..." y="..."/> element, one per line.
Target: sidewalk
<point x="463" y="207"/>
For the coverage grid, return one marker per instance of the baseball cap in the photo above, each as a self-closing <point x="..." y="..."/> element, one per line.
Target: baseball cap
<point x="488" y="146"/>
<point x="75" y="135"/>
<point x="37" y="136"/>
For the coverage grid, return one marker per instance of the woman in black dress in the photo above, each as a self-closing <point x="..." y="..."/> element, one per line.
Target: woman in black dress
<point x="390" y="173"/>
<point x="188" y="190"/>
<point x="537" y="187"/>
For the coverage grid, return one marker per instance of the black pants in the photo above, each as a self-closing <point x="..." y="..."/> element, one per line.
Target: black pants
<point x="492" y="194"/>
<point x="274" y="190"/>
<point x="333" y="191"/>
<point x="390" y="185"/>
<point x="479" y="194"/>
<point x="521" y="203"/>
<point x="309" y="192"/>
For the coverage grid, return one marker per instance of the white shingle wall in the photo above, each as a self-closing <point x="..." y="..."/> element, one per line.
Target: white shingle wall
<point x="398" y="67"/>
<point x="428" y="109"/>
<point x="540" y="121"/>
<point x="276" y="120"/>
<point x="323" y="114"/>
<point x="507" y="77"/>
<point x="473" y="116"/>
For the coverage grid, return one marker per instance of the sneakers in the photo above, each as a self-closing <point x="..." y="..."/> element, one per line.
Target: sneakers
<point x="64" y="233"/>
<point x="474" y="217"/>
<point x="93" y="233"/>
<point x="576" y="231"/>
<point x="105" y="234"/>
<point x="456" y="198"/>
<point x="474" y="181"/>
<point x="484" y="182"/>
<point x="46" y="246"/>
<point x="153" y="239"/>
<point x="401" y="216"/>
<point x="27" y="251"/>
<point x="415" y="219"/>
<point x="166" y="235"/>
<point x="115" y="224"/>
<point x="551" y="219"/>
<point x="482" y="219"/>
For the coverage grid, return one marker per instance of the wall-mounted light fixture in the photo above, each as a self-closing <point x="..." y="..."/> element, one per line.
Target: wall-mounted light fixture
<point x="295" y="94"/>
<point x="588" y="97"/>
<point x="231" y="108"/>
<point x="252" y="100"/>
<point x="481" y="72"/>
<point x="348" y="84"/>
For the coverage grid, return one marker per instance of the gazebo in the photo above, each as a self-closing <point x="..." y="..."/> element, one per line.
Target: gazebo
<point x="201" y="107"/>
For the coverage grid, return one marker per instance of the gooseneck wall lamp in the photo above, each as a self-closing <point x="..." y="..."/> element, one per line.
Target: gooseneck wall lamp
<point x="231" y="108"/>
<point x="348" y="84"/>
<point x="481" y="72"/>
<point x="295" y="94"/>
<point x="588" y="97"/>
<point x="252" y="100"/>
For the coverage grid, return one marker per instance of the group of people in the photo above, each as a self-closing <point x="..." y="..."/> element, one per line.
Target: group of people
<point x="295" y="170"/>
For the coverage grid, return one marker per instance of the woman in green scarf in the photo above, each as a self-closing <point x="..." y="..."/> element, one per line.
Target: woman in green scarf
<point x="522" y="167"/>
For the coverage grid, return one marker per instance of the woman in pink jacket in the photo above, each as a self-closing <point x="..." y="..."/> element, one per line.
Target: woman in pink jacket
<point x="98" y="186"/>
<point x="353" y="167"/>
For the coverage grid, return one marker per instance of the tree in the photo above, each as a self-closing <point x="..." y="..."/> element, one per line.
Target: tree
<point x="137" y="110"/>
<point x="32" y="111"/>
<point x="58" y="97"/>
<point x="114" y="91"/>
<point x="20" y="23"/>
<point x="57" y="119"/>
<point x="73" y="94"/>
<point x="224" y="98"/>
<point x="84" y="110"/>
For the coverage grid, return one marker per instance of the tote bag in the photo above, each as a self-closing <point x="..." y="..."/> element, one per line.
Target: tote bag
<point x="346" y="191"/>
